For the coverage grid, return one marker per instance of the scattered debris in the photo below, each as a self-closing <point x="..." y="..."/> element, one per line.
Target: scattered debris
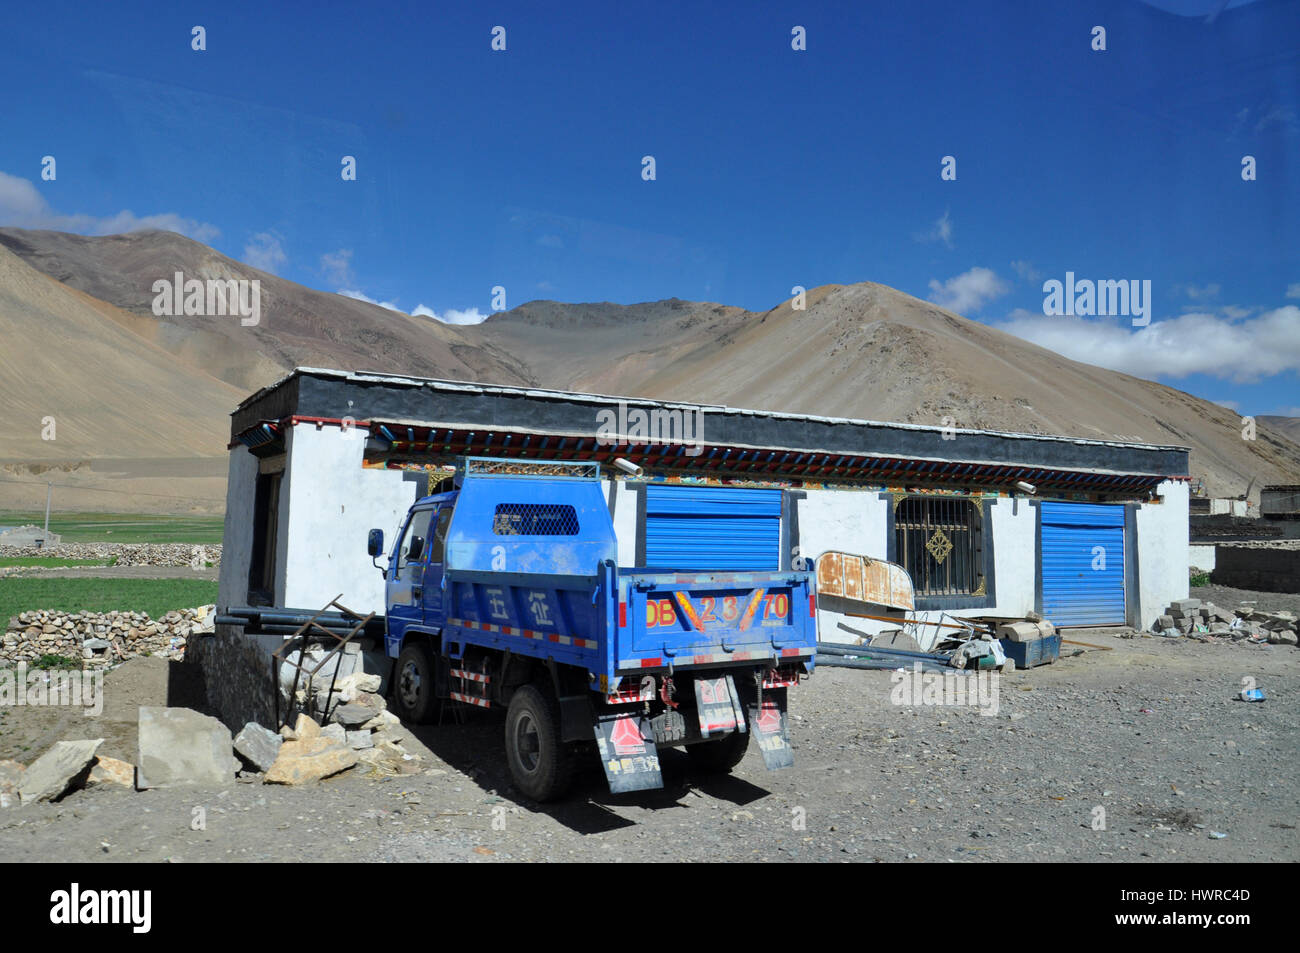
<point x="108" y="770"/>
<point x="61" y="769"/>
<point x="1206" y="622"/>
<point x="181" y="746"/>
<point x="257" y="747"/>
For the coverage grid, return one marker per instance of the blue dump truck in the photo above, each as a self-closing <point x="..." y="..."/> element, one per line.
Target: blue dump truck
<point x="505" y="592"/>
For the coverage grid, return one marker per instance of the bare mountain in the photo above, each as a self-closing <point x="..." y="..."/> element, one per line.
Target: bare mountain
<point x="297" y="326"/>
<point x="862" y="350"/>
<point x="869" y="351"/>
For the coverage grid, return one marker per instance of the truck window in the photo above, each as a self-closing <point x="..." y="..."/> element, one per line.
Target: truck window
<point x="418" y="527"/>
<point x="438" y="552"/>
<point x="535" y="519"/>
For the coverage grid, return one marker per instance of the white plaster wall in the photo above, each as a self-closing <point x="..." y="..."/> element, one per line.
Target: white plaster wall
<point x="1201" y="556"/>
<point x="848" y="521"/>
<point x="623" y="512"/>
<point x="332" y="503"/>
<point x="1162" y="551"/>
<point x="237" y="537"/>
<point x="1015" y="558"/>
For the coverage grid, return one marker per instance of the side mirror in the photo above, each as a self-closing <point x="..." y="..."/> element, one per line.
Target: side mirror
<point x="375" y="544"/>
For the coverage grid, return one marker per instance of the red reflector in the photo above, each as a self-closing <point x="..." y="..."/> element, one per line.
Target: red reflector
<point x="622" y="615"/>
<point x="812" y="605"/>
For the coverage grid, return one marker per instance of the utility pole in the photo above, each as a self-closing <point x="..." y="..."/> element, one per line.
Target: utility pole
<point x="49" y="492"/>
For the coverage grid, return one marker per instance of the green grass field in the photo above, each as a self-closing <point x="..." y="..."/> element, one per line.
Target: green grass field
<point x="48" y="562"/>
<point x="154" y="596"/>
<point x="122" y="527"/>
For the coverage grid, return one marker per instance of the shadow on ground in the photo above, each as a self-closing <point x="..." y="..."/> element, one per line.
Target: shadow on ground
<point x="472" y="742"/>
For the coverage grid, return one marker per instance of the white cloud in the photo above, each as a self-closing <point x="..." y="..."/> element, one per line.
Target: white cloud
<point x="1293" y="290"/>
<point x="336" y="266"/>
<point x="265" y="252"/>
<point x="452" y="315"/>
<point x="23" y="206"/>
<point x="940" y="232"/>
<point x="551" y="241"/>
<point x="362" y="296"/>
<point x="1026" y="271"/>
<point x="1240" y="351"/>
<point x="968" y="291"/>
<point x="1200" y="294"/>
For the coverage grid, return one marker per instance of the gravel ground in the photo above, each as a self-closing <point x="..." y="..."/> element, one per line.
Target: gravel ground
<point x="1150" y="731"/>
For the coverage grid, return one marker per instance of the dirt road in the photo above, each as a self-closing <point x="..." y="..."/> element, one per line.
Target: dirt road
<point x="1151" y="733"/>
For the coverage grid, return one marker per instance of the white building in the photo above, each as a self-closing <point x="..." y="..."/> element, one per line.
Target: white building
<point x="320" y="457"/>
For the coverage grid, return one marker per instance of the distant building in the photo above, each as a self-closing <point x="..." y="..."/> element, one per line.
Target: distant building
<point x="28" y="536"/>
<point x="1279" y="506"/>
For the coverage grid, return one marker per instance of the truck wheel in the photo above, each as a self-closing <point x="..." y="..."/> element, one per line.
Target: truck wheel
<point x="541" y="765"/>
<point x="720" y="755"/>
<point x="413" y="683"/>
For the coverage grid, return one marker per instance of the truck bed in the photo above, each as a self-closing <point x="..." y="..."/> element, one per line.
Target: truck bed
<point x="629" y="620"/>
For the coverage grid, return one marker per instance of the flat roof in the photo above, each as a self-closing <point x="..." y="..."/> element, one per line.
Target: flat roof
<point x="464" y="407"/>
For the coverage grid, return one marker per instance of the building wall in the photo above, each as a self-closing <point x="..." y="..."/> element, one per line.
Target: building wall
<point x="848" y="521"/>
<point x="1162" y="553"/>
<point x="624" y="501"/>
<point x="331" y="504"/>
<point x="237" y="538"/>
<point x="1201" y="555"/>
<point x="1015" y="552"/>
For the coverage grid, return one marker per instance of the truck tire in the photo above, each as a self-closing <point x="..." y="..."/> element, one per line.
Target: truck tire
<point x="541" y="765"/>
<point x="720" y="755"/>
<point x="413" y="683"/>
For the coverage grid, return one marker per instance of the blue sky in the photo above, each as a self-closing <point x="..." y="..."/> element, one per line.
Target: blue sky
<point x="774" y="167"/>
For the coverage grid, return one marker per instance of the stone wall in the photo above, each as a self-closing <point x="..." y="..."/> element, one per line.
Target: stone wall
<point x="127" y="554"/>
<point x="237" y="675"/>
<point x="101" y="638"/>
<point x="1271" y="567"/>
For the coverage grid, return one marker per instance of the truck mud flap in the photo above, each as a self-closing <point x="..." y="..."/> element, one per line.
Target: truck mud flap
<point x="769" y="724"/>
<point x="628" y="753"/>
<point x="718" y="704"/>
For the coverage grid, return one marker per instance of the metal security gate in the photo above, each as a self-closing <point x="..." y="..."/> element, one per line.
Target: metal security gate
<point x="938" y="541"/>
<point x="722" y="528"/>
<point x="1082" y="548"/>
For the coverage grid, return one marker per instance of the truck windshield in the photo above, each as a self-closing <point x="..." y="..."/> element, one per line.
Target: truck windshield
<point x="415" y="540"/>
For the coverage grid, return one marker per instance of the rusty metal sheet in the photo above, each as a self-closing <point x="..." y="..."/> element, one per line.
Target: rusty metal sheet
<point x="863" y="579"/>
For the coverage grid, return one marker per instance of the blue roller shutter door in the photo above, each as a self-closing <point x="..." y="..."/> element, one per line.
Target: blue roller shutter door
<point x="1083" y="563"/>
<point x="712" y="528"/>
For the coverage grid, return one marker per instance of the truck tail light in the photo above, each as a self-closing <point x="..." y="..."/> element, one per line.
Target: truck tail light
<point x="622" y="615"/>
<point x="812" y="605"/>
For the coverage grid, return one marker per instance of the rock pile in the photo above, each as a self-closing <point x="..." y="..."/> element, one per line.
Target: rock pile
<point x="127" y="554"/>
<point x="359" y="730"/>
<point x="1208" y="622"/>
<point x="183" y="747"/>
<point x="68" y="766"/>
<point x="101" y="638"/>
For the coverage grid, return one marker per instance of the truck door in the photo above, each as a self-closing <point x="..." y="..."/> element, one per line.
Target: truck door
<point x="433" y="592"/>
<point x="406" y="575"/>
